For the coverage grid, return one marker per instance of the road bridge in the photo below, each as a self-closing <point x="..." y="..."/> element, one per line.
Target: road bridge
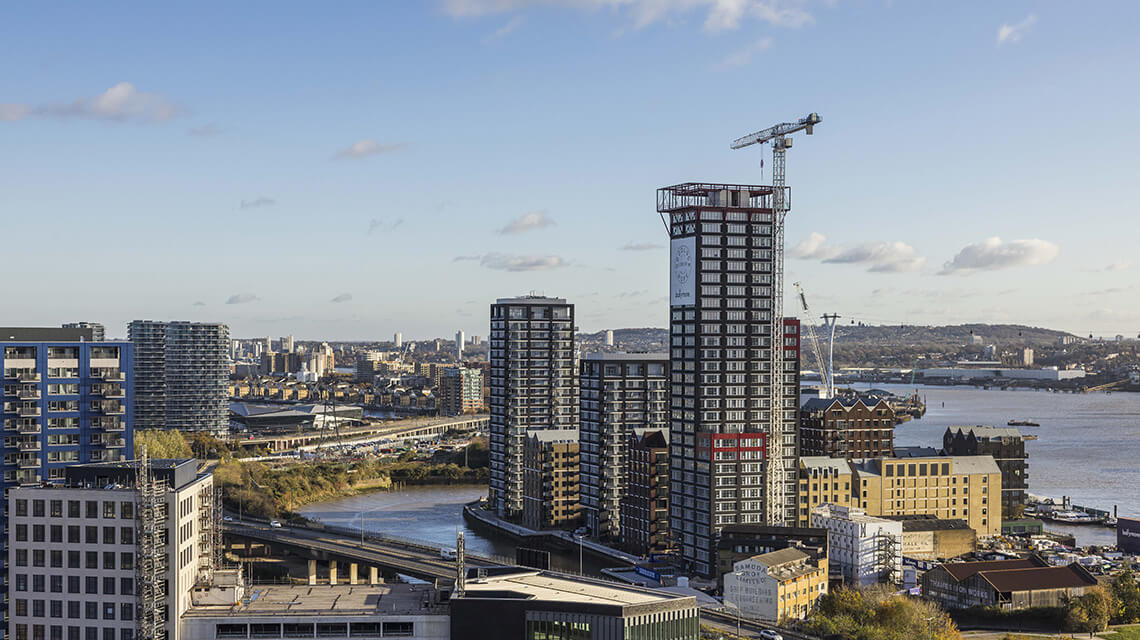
<point x="410" y="429"/>
<point x="419" y="560"/>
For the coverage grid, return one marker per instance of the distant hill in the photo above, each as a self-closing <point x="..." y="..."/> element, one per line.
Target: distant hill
<point x="1005" y="335"/>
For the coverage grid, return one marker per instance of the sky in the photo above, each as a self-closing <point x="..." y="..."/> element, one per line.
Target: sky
<point x="342" y="171"/>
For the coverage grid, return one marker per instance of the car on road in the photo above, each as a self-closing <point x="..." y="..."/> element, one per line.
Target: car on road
<point x="275" y="523"/>
<point x="768" y="634"/>
<point x="227" y="519"/>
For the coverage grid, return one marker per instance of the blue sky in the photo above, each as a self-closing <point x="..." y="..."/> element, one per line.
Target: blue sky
<point x="253" y="162"/>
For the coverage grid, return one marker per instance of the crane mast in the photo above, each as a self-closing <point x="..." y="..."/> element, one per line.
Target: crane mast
<point x="824" y="368"/>
<point x="778" y="479"/>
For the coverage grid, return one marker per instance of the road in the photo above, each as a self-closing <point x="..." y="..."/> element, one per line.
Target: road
<point x="419" y="561"/>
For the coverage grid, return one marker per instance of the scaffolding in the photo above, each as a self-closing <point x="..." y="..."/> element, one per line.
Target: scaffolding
<point x="151" y="566"/>
<point x="210" y="540"/>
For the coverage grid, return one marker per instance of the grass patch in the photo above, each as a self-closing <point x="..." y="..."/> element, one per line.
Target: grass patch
<point x="1123" y="633"/>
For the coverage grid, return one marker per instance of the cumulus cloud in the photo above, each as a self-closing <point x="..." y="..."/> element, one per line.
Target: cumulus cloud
<point x="368" y="147"/>
<point x="879" y="256"/>
<point x="376" y="224"/>
<point x="258" y="202"/>
<point x="242" y="298"/>
<point x="640" y="246"/>
<point x="507" y="262"/>
<point x="718" y="14"/>
<point x="743" y="56"/>
<point x="993" y="254"/>
<point x="344" y="297"/>
<point x="528" y="222"/>
<point x="1013" y="33"/>
<point x="121" y="103"/>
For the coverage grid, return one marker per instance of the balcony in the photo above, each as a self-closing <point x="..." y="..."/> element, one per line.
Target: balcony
<point x="29" y="377"/>
<point x="28" y="428"/>
<point x="115" y="443"/>
<point x="29" y="412"/>
<point x="111" y="425"/>
<point x="114" y="391"/>
<point x="30" y="445"/>
<point x="28" y="394"/>
<point x="112" y="408"/>
<point x="29" y="462"/>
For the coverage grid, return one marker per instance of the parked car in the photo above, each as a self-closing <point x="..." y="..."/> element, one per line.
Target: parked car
<point x="768" y="634"/>
<point x="227" y="519"/>
<point x="275" y="523"/>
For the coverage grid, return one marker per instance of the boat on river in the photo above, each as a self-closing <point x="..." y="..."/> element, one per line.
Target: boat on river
<point x="1023" y="423"/>
<point x="1069" y="516"/>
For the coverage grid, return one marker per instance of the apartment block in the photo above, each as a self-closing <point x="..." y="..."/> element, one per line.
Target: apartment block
<point x="735" y="366"/>
<point x="532" y="386"/>
<point x="644" y="505"/>
<point x="96" y="558"/>
<point x="460" y="391"/>
<point x="66" y="400"/>
<point x="550" y="479"/>
<point x="181" y="375"/>
<point x="1007" y="446"/>
<point x="847" y="428"/>
<point x="622" y="394"/>
<point x="946" y="487"/>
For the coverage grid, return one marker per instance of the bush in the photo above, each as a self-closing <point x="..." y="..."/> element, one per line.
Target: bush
<point x="878" y="614"/>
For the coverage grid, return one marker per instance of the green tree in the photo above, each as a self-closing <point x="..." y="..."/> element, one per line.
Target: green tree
<point x="162" y="444"/>
<point x="1127" y="594"/>
<point x="1090" y="612"/>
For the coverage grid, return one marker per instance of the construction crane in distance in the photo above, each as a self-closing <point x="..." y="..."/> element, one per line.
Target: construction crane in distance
<point x="824" y="369"/>
<point x="780" y="480"/>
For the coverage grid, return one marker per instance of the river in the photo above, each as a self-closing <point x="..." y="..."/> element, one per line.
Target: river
<point x="1088" y="448"/>
<point x="430" y="513"/>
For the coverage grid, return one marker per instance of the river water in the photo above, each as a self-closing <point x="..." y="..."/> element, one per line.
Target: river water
<point x="1088" y="448"/>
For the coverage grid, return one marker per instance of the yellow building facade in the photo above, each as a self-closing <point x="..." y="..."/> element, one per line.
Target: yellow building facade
<point x="947" y="487"/>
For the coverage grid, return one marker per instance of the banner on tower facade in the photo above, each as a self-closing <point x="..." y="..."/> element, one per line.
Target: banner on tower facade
<point x="683" y="271"/>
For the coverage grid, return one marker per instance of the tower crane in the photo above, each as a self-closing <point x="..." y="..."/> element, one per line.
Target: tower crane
<point x="779" y="472"/>
<point x="824" y="369"/>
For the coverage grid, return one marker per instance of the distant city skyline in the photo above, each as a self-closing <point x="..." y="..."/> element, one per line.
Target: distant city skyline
<point x="321" y="173"/>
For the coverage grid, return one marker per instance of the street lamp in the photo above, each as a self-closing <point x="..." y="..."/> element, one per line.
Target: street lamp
<point x="579" y="554"/>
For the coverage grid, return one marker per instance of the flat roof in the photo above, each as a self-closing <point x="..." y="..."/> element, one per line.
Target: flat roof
<point x="49" y="334"/>
<point x="626" y="357"/>
<point x="325" y="600"/>
<point x="551" y="587"/>
<point x="531" y="300"/>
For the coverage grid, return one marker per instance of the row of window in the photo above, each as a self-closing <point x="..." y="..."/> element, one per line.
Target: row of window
<point x="111" y="560"/>
<point x="90" y="508"/>
<point x="73" y="633"/>
<point x="76" y="609"/>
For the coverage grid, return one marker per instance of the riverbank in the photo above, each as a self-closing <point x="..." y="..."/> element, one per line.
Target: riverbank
<point x="473" y="511"/>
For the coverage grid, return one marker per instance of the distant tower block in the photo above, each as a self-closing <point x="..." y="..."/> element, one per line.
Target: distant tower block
<point x="398" y="339"/>
<point x="609" y="338"/>
<point x="459" y="345"/>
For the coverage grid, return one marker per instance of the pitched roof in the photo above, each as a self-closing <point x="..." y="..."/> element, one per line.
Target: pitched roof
<point x="781" y="556"/>
<point x="1036" y="578"/>
<point x="986" y="431"/>
<point x="963" y="570"/>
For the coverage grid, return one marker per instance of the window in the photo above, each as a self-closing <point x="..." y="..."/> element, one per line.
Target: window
<point x="91" y="610"/>
<point x="38" y="508"/>
<point x="393" y="629"/>
<point x="92" y="509"/>
<point x="73" y="586"/>
<point x="72" y="508"/>
<point x="108" y="509"/>
<point x="92" y="584"/>
<point x="72" y="608"/>
<point x="21" y="533"/>
<point x="73" y="534"/>
<point x="72" y="559"/>
<point x="21" y="507"/>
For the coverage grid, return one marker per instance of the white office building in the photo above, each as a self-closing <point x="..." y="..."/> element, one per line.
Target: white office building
<point x="862" y="549"/>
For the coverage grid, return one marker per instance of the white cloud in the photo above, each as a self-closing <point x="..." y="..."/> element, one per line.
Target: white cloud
<point x="368" y="147"/>
<point x="376" y="224"/>
<point x="640" y="246"/>
<point x="718" y="14"/>
<point x="121" y="103"/>
<point x="879" y="256"/>
<point x="993" y="254"/>
<point x="258" y="202"/>
<point x="505" y="30"/>
<point x="505" y="262"/>
<point x="242" y="298"/>
<point x="741" y="57"/>
<point x="1012" y="33"/>
<point x="527" y="222"/>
